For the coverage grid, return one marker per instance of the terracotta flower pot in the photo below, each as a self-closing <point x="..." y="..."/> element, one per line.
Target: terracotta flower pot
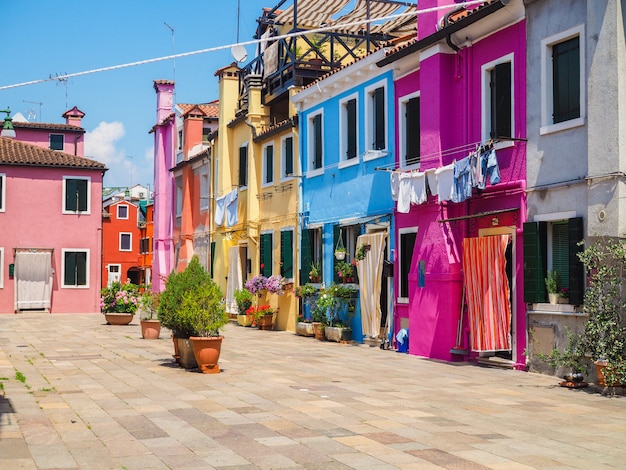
<point x="118" y="318"/>
<point x="150" y="329"/>
<point x="207" y="352"/>
<point x="265" y="322"/>
<point x="187" y="357"/>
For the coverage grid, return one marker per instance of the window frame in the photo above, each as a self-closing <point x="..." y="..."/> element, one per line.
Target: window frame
<point x="486" y="101"/>
<point x="88" y="195"/>
<point x="267" y="170"/>
<point x="344" y="121"/>
<point x="402" y="107"/>
<point x="3" y="192"/>
<point x="242" y="178"/>
<point x="205" y="185"/>
<point x="56" y="136"/>
<point x="312" y="145"/>
<point x="130" y="241"/>
<point x="284" y="176"/>
<point x="266" y="256"/>
<point x="178" y="182"/>
<point x="401" y="232"/>
<point x="64" y="252"/>
<point x="125" y="206"/>
<point x="292" y="250"/>
<point x="370" y="120"/>
<point x="547" y="99"/>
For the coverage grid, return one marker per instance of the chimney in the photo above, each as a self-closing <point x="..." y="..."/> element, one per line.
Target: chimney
<point x="74" y="117"/>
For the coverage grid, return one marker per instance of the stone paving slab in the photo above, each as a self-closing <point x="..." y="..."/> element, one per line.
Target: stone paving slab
<point x="95" y="396"/>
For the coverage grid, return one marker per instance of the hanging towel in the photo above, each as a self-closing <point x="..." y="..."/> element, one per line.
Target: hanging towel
<point x="404" y="193"/>
<point x="394" y="179"/>
<point x="490" y="168"/>
<point x="220" y="204"/>
<point x="232" y="207"/>
<point x="431" y="178"/>
<point x="418" y="187"/>
<point x="445" y="182"/>
<point x="462" y="180"/>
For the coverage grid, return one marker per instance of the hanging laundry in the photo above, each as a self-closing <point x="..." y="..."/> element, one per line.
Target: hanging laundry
<point x="418" y="187"/>
<point x="462" y="180"/>
<point x="490" y="168"/>
<point x="404" y="193"/>
<point x="476" y="172"/>
<point x="431" y="179"/>
<point x="232" y="208"/>
<point x="445" y="182"/>
<point x="219" y="210"/>
<point x="394" y="179"/>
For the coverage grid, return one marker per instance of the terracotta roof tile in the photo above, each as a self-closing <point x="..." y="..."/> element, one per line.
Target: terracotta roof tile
<point x="48" y="126"/>
<point x="210" y="110"/>
<point x="14" y="152"/>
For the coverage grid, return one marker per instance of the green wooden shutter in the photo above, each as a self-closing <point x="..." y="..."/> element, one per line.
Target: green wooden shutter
<point x="379" y="118"/>
<point x="269" y="164"/>
<point x="70" y="195"/>
<point x="69" y="276"/>
<point x="576" y="268"/>
<point x="560" y="252"/>
<point x="243" y="166"/>
<point x="213" y="259"/>
<point x="336" y="235"/>
<point x="566" y="80"/>
<point x="535" y="262"/>
<point x="286" y="253"/>
<point x="81" y="268"/>
<point x="306" y="254"/>
<point x="266" y="255"/>
<point x="351" y="125"/>
<point x="289" y="156"/>
<point x="412" y="133"/>
<point x="317" y="135"/>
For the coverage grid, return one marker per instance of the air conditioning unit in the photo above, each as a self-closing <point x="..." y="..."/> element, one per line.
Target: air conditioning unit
<point x="140" y="195"/>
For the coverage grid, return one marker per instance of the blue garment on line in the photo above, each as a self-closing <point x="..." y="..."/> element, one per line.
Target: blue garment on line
<point x="462" y="180"/>
<point x="490" y="168"/>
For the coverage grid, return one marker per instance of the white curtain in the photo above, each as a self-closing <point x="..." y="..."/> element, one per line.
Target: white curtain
<point x="370" y="272"/>
<point x="33" y="280"/>
<point x="234" y="279"/>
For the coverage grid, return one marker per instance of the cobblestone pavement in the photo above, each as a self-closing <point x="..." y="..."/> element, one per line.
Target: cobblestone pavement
<point x="82" y="394"/>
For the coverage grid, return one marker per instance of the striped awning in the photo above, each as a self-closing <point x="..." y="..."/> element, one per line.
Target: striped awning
<point x="376" y="10"/>
<point x="312" y="13"/>
<point x="400" y="26"/>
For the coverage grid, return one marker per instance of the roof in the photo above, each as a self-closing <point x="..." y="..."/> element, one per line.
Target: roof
<point x="48" y="126"/>
<point x="14" y="152"/>
<point x="210" y="110"/>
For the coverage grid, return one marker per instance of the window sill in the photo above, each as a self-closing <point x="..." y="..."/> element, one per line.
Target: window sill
<point x="374" y="154"/>
<point x="348" y="163"/>
<point x="562" y="126"/>
<point x="314" y="173"/>
<point x="559" y="309"/>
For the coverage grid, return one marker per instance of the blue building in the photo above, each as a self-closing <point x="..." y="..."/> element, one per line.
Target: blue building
<point x="346" y="144"/>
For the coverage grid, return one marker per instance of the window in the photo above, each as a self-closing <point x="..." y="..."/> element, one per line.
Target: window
<point x="3" y="180"/>
<point x="243" y="166"/>
<point x="126" y="241"/>
<point x="75" y="268"/>
<point x="122" y="211"/>
<point x="144" y="246"/>
<point x="349" y="235"/>
<point x="562" y="75"/>
<point x="76" y="195"/>
<point x="286" y="253"/>
<point x="1" y="267"/>
<point x="286" y="146"/>
<point x="316" y="144"/>
<point x="310" y="252"/>
<point x="205" y="133"/>
<point x="268" y="165"/>
<point x="552" y="245"/>
<point x="179" y="196"/>
<point x="497" y="98"/>
<point x="375" y="120"/>
<point x="57" y="141"/>
<point x="410" y="129"/>
<point x="266" y="246"/>
<point x="405" y="258"/>
<point x="204" y="189"/>
<point x="348" y="117"/>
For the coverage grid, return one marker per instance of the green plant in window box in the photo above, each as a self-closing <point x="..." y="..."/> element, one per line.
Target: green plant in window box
<point x="552" y="282"/>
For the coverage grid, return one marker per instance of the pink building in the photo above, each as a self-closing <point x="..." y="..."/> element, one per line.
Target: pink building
<point x="50" y="236"/>
<point x="462" y="93"/>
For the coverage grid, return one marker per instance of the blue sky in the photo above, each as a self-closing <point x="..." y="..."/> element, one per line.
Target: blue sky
<point x="43" y="38"/>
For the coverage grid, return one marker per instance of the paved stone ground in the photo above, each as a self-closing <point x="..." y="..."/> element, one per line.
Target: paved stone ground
<point x="94" y="396"/>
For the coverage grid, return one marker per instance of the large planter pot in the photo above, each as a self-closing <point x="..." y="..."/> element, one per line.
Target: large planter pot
<point x="187" y="359"/>
<point x="118" y="318"/>
<point x="176" y="354"/>
<point x="150" y="329"/>
<point x="244" y="320"/>
<point x="338" y="334"/>
<point x="601" y="378"/>
<point x="207" y="353"/>
<point x="265" y="322"/>
<point x="305" y="329"/>
<point x="319" y="330"/>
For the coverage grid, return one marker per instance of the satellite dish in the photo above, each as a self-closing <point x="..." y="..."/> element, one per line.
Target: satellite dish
<point x="239" y="52"/>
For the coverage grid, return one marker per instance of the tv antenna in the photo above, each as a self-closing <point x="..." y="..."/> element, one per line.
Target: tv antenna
<point x="62" y="78"/>
<point x="32" y="115"/>
<point x="238" y="51"/>
<point x="173" y="60"/>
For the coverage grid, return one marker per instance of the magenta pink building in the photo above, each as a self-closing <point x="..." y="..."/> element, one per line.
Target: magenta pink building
<point x="460" y="92"/>
<point x="50" y="236"/>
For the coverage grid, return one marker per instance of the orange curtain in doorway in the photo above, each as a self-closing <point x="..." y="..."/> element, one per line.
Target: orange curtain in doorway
<point x="487" y="292"/>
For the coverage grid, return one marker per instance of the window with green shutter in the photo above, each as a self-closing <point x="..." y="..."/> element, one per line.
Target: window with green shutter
<point x="268" y="164"/>
<point x="265" y="267"/>
<point x="351" y="124"/>
<point x="379" y="118"/>
<point x="76" y="194"/>
<point x="288" y="156"/>
<point x="566" y="80"/>
<point x="317" y="142"/>
<point x="243" y="166"/>
<point x="74" y="268"/>
<point x="286" y="253"/>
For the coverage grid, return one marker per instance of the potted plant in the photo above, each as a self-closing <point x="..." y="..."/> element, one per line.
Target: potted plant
<point x="304" y="326"/>
<point x="344" y="270"/>
<point x="173" y="316"/>
<point x="243" y="298"/>
<point x="207" y="315"/>
<point x="341" y="312"/>
<point x="552" y="286"/>
<point x="315" y="273"/>
<point x="119" y="302"/>
<point x="306" y="293"/>
<point x="263" y="316"/>
<point x="340" y="253"/>
<point x="323" y="303"/>
<point x="604" y="335"/>
<point x="149" y="307"/>
<point x="570" y="362"/>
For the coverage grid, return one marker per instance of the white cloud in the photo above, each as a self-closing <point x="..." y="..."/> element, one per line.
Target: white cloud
<point x="100" y="143"/>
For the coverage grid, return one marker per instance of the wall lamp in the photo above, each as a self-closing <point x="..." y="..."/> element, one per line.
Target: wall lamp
<point x="7" y="129"/>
